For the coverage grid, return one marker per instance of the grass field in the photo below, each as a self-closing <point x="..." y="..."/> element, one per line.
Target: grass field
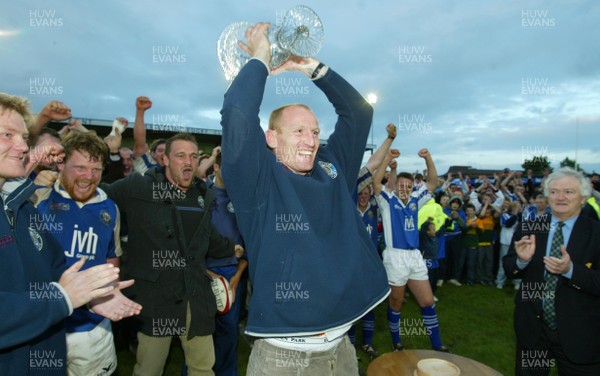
<point x="475" y="322"/>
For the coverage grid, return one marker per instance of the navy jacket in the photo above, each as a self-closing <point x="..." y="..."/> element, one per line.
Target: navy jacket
<point x="32" y="308"/>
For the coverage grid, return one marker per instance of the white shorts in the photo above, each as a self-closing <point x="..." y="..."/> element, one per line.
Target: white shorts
<point x="402" y="265"/>
<point x="93" y="352"/>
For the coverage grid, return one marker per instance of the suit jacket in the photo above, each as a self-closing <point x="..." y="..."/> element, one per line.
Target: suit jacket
<point x="577" y="300"/>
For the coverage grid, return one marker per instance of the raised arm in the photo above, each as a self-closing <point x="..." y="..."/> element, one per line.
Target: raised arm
<point x="244" y="148"/>
<point x="432" y="176"/>
<point x="497" y="182"/>
<point x="463" y="183"/>
<point x="377" y="157"/>
<point x="447" y="183"/>
<point x="505" y="181"/>
<point x="207" y="163"/>
<point x="380" y="171"/>
<point x="393" y="177"/>
<point x="53" y="110"/>
<point x="139" y="127"/>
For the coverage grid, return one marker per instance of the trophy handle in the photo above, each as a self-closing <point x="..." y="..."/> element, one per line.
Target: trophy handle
<point x="301" y="34"/>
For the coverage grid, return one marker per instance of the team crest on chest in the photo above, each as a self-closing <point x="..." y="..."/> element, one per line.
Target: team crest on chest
<point x="105" y="217"/>
<point x="230" y="207"/>
<point x="329" y="169"/>
<point x="37" y="240"/>
<point x="201" y="202"/>
<point x="412" y="206"/>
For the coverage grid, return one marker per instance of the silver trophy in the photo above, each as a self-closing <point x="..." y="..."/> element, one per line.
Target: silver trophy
<point x="300" y="34"/>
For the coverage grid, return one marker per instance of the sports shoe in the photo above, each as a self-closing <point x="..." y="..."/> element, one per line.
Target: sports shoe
<point x="440" y="283"/>
<point x="499" y="286"/>
<point x="398" y="347"/>
<point x="435" y="299"/>
<point x="517" y="287"/>
<point x="454" y="282"/>
<point x="443" y="349"/>
<point x="370" y="351"/>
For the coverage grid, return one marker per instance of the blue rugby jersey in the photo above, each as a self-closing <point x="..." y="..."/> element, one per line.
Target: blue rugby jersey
<point x="83" y="230"/>
<point x="400" y="222"/>
<point x="371" y="220"/>
<point x="371" y="216"/>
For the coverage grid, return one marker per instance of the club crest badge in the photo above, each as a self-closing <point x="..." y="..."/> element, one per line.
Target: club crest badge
<point x="37" y="240"/>
<point x="105" y="217"/>
<point x="412" y="206"/>
<point x="230" y="207"/>
<point x="329" y="169"/>
<point x="201" y="202"/>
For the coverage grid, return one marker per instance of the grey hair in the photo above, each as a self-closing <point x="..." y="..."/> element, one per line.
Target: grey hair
<point x="585" y="187"/>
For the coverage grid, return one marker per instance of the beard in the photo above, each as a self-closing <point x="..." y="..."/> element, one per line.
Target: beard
<point x="70" y="187"/>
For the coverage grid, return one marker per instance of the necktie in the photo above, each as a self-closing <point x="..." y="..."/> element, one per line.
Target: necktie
<point x="549" y="313"/>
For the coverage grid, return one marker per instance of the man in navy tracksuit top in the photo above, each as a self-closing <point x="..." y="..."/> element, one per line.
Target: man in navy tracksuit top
<point x="36" y="291"/>
<point x="308" y="248"/>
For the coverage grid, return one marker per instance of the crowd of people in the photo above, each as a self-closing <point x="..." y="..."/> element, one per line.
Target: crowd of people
<point x="275" y="214"/>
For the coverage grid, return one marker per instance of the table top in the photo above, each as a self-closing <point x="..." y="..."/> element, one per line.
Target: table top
<point x="404" y="363"/>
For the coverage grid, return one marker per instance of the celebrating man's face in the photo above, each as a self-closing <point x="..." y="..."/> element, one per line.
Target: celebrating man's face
<point x="404" y="188"/>
<point x="182" y="163"/>
<point x="81" y="175"/>
<point x="13" y="145"/>
<point x="297" y="140"/>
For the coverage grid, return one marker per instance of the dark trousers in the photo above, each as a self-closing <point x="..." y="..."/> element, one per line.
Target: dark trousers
<point x="485" y="261"/>
<point x="548" y="354"/>
<point x="471" y="255"/>
<point x="433" y="278"/>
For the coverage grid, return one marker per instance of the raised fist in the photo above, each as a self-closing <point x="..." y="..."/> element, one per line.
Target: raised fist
<point x="391" y="130"/>
<point x="143" y="103"/>
<point x="424" y="153"/>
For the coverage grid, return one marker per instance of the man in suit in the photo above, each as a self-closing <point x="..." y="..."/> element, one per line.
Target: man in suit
<point x="557" y="309"/>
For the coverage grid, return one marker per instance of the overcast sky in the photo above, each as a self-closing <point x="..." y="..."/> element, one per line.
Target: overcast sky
<point x="480" y="83"/>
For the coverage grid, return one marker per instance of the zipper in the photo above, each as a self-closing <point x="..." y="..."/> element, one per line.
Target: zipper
<point x="10" y="215"/>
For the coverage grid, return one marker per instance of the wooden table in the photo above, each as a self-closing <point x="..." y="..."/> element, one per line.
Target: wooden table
<point x="404" y="363"/>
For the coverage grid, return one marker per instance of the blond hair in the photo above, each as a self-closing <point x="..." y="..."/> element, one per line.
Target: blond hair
<point x="18" y="104"/>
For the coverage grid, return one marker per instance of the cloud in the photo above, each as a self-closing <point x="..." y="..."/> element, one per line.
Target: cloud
<point x="487" y="78"/>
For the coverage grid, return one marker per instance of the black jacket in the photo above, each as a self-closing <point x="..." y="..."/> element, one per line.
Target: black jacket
<point x="169" y="270"/>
